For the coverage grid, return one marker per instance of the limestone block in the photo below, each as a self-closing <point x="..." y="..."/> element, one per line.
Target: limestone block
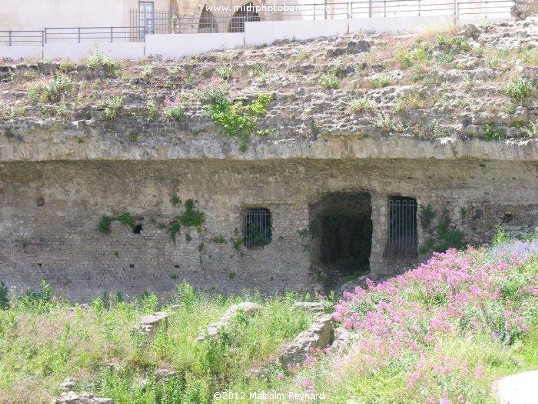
<point x="212" y="330"/>
<point x="319" y="335"/>
<point x="148" y="324"/>
<point x="73" y="398"/>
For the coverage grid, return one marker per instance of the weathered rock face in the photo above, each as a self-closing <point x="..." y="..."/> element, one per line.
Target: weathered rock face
<point x="405" y="124"/>
<point x="354" y="84"/>
<point x="49" y="212"/>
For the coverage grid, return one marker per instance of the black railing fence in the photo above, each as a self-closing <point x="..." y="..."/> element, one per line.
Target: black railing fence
<point x="222" y="20"/>
<point x="402" y="237"/>
<point x="72" y="35"/>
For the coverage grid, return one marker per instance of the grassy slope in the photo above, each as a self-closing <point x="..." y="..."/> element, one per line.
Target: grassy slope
<point x="441" y="333"/>
<point x="41" y="343"/>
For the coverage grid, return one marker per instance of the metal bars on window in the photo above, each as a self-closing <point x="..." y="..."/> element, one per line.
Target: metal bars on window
<point x="402" y="240"/>
<point x="257" y="227"/>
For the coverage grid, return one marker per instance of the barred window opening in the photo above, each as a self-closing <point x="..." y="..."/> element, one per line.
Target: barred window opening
<point x="258" y="225"/>
<point x="402" y="237"/>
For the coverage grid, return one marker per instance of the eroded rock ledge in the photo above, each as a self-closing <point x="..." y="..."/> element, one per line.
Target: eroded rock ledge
<point x="341" y="147"/>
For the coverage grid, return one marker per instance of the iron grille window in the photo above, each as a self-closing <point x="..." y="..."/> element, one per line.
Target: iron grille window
<point x="257" y="227"/>
<point x="402" y="227"/>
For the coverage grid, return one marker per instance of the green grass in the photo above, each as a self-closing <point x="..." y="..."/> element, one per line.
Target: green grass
<point x="97" y="347"/>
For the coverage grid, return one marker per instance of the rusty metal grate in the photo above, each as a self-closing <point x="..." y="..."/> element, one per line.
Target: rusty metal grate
<point x="402" y="239"/>
<point x="257" y="227"/>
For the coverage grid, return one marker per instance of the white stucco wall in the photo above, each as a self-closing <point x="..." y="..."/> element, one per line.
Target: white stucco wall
<point x="21" y="52"/>
<point x="172" y="45"/>
<point x="399" y="24"/>
<point x="258" y="33"/>
<point x="116" y="50"/>
<point x="40" y="14"/>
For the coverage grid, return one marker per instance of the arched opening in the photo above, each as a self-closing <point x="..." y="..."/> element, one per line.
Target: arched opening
<point x="208" y="22"/>
<point x="246" y="13"/>
<point x="341" y="235"/>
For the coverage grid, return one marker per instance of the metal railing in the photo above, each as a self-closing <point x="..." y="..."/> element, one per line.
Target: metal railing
<point x="156" y="22"/>
<point x="72" y="35"/>
<point x="402" y="237"/>
<point x="258" y="225"/>
<point x="12" y="38"/>
<point x="92" y="34"/>
<point x="403" y="8"/>
<point x="163" y="22"/>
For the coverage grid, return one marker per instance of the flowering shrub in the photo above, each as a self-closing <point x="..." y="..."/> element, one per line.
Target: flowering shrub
<point x="407" y="322"/>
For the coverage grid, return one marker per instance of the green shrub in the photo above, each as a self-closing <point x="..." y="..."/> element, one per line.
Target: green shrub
<point x="191" y="217"/>
<point x="187" y="295"/>
<point x="67" y="66"/>
<point x="175" y="112"/>
<point x="519" y="89"/>
<point x="175" y="201"/>
<point x="236" y="119"/>
<point x="104" y="224"/>
<point x="99" y="61"/>
<point x="214" y="95"/>
<point x="381" y="82"/>
<point x="531" y="131"/>
<point x="40" y="300"/>
<point x="127" y="220"/>
<point x="153" y="114"/>
<point x="407" y="58"/>
<point x="426" y="214"/>
<point x="361" y="105"/>
<point x="113" y="107"/>
<point x="457" y="43"/>
<point x="500" y="237"/>
<point x="329" y="82"/>
<point x="52" y="91"/>
<point x="388" y="124"/>
<point x="4" y="296"/>
<point x="173" y="229"/>
<point x="492" y="132"/>
<point x="225" y="72"/>
<point x="147" y="71"/>
<point x="218" y="239"/>
<point x="447" y="237"/>
<point x="445" y="58"/>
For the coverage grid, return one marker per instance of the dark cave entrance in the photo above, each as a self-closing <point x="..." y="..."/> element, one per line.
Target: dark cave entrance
<point x="342" y="234"/>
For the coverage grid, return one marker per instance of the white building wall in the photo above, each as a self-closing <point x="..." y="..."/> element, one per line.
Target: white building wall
<point x="41" y="14"/>
<point x="116" y="50"/>
<point x="173" y="46"/>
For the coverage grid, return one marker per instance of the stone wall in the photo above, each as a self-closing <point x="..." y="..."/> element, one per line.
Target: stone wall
<point x="50" y="211"/>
